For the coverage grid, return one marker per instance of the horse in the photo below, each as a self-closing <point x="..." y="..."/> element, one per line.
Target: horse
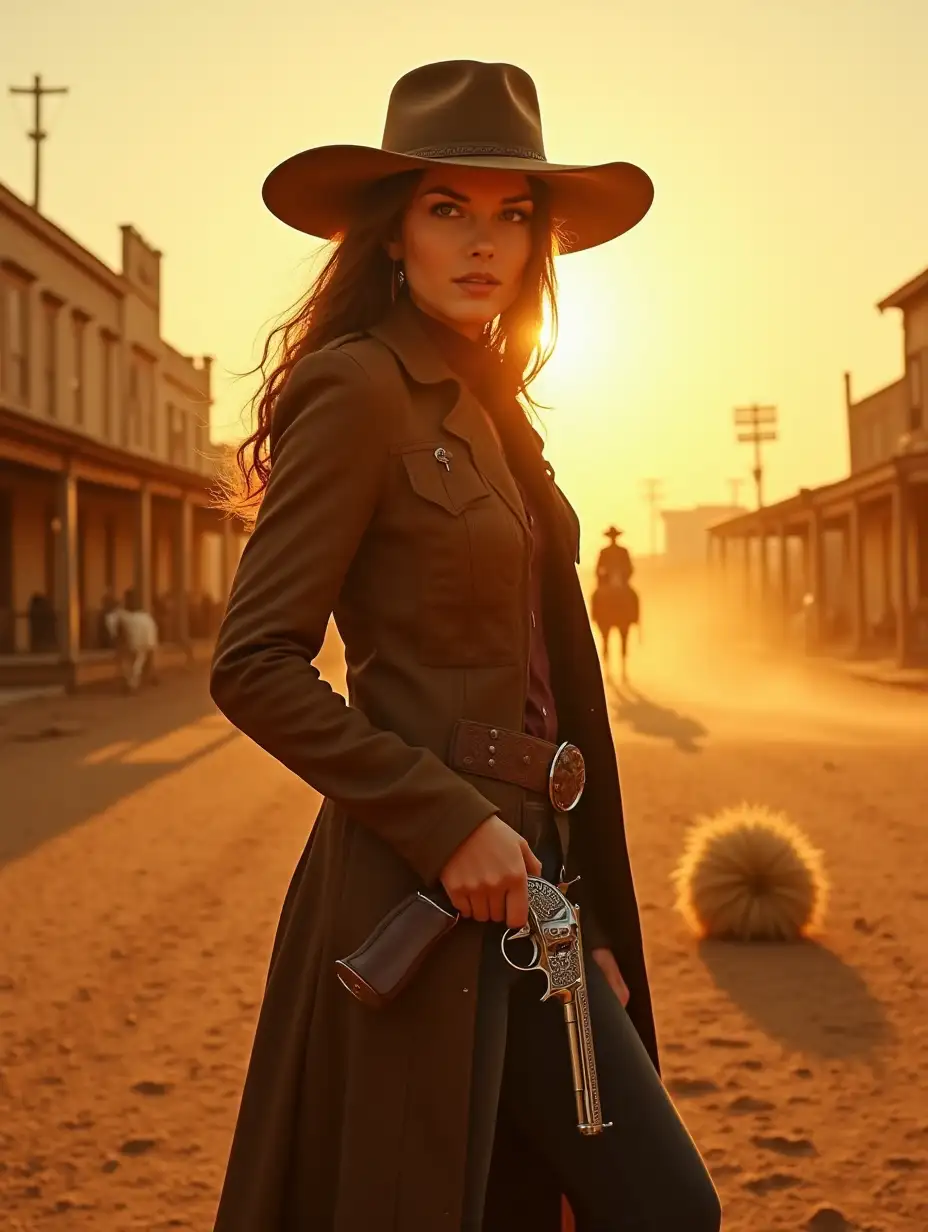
<point x="616" y="606"/>
<point x="135" y="637"/>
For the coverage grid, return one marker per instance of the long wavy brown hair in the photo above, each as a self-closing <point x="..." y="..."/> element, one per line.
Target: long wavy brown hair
<point x="353" y="291"/>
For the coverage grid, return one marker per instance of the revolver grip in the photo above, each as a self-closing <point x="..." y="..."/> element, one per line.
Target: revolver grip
<point x="381" y="968"/>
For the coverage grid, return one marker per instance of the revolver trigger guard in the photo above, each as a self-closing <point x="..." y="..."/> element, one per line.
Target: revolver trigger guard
<point x="516" y="934"/>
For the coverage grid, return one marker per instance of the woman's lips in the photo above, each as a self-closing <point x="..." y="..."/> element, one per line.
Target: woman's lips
<point x="476" y="288"/>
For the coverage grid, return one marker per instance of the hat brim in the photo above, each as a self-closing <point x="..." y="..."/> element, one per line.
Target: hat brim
<point x="317" y="191"/>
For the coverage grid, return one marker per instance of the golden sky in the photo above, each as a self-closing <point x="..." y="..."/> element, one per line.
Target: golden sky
<point x="785" y="139"/>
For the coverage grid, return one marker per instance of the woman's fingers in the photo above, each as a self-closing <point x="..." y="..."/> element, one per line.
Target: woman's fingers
<point x="530" y="860"/>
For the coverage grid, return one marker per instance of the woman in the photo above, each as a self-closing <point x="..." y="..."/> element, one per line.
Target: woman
<point x="402" y="488"/>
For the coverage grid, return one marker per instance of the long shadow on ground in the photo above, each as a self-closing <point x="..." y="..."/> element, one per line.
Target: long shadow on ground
<point x="647" y="717"/>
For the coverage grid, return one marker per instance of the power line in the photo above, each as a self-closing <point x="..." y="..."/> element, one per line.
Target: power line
<point x="37" y="135"/>
<point x="758" y="424"/>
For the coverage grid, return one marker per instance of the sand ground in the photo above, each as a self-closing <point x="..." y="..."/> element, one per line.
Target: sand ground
<point x="145" y="849"/>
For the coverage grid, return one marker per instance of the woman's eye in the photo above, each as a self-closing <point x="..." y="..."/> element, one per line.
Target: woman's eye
<point x="515" y="215"/>
<point x="440" y="210"/>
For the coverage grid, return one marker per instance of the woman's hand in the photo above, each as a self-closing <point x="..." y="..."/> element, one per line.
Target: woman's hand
<point x="605" y="960"/>
<point x="487" y="877"/>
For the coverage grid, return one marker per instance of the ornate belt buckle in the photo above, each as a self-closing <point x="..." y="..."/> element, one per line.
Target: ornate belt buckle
<point x="566" y="777"/>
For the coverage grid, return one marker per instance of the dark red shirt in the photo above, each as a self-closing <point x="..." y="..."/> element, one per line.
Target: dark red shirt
<point x="472" y="363"/>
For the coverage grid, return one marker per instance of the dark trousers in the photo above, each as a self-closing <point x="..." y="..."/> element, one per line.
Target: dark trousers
<point x="644" y="1174"/>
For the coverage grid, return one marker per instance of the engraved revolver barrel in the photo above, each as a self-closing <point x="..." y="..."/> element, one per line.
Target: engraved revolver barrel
<point x="553" y="930"/>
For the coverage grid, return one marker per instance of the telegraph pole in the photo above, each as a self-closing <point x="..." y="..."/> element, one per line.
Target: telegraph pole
<point x="38" y="135"/>
<point x="651" y="489"/>
<point x="758" y="424"/>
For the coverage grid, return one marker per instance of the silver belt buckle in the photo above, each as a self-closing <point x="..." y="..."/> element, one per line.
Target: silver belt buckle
<point x="566" y="778"/>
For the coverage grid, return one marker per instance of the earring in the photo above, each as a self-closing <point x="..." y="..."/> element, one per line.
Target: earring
<point x="397" y="280"/>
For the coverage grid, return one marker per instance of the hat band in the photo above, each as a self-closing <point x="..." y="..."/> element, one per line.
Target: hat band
<point x="476" y="151"/>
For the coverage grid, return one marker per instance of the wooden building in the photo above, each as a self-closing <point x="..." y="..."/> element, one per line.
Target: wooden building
<point x="852" y="554"/>
<point x="106" y="463"/>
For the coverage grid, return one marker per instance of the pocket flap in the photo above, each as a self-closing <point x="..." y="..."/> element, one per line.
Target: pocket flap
<point x="454" y="486"/>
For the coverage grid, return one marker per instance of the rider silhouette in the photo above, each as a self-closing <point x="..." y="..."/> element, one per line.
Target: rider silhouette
<point x="615" y="601"/>
<point x="614" y="567"/>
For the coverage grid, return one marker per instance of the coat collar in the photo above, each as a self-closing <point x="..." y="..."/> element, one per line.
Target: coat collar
<point x="401" y="331"/>
<point x="403" y="334"/>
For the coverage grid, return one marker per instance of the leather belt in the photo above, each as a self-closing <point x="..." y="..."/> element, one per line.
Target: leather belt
<point x="557" y="771"/>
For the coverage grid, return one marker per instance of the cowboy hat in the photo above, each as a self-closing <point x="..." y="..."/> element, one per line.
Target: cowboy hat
<point x="468" y="114"/>
<point x="612" y="533"/>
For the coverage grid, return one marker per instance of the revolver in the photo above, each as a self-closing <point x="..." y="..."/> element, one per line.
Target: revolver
<point x="386" y="962"/>
<point x="553" y="929"/>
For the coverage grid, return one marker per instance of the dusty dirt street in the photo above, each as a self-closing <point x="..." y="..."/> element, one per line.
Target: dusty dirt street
<point x="145" y="850"/>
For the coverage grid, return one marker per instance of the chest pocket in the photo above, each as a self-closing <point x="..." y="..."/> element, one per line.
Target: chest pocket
<point x="468" y="558"/>
<point x="444" y="477"/>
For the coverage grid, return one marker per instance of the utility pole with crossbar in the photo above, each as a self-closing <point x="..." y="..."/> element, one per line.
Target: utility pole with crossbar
<point x="38" y="135"/>
<point x="757" y="424"/>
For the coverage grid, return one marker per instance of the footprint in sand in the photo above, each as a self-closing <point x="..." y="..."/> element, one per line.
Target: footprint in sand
<point x="904" y="1163"/>
<point x="137" y="1146"/>
<point x="773" y="1182"/>
<point x="147" y="1087"/>
<point x="794" y="1147"/>
<point x="748" y="1103"/>
<point x="828" y="1219"/>
<point x="691" y="1088"/>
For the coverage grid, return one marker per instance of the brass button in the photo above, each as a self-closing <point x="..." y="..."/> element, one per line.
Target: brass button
<point x="492" y="748"/>
<point x="468" y="761"/>
<point x="492" y="761"/>
<point x="493" y="733"/>
<point x="527" y="759"/>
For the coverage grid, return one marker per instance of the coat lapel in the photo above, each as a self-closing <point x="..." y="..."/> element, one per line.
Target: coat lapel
<point x="466" y="419"/>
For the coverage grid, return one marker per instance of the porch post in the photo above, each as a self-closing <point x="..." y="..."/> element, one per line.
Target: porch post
<point x="764" y="543"/>
<point x="143" y="549"/>
<point x="783" y="544"/>
<point x="67" y="598"/>
<point x="184" y="569"/>
<point x="815" y="577"/>
<point x="899" y="569"/>
<point x="855" y="534"/>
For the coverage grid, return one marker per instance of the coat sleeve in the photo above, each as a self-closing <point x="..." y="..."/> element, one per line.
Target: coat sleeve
<point x="329" y="455"/>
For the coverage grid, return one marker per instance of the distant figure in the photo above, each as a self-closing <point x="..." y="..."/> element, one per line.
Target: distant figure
<point x="135" y="636"/>
<point x="615" y="602"/>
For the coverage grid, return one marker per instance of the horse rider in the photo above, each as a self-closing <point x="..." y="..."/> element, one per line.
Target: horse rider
<point x="615" y="603"/>
<point x="614" y="567"/>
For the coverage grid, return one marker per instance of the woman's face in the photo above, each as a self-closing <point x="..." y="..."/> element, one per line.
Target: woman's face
<point x="465" y="242"/>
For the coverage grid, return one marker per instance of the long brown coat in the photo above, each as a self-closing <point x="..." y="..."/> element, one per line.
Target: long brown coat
<point x="355" y="1120"/>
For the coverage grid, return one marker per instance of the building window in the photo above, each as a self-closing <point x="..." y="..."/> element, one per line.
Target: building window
<point x="50" y="309"/>
<point x="177" y="435"/>
<point x="107" y="352"/>
<point x="141" y="428"/>
<point x="78" y="327"/>
<point x="130" y="415"/>
<point x="202" y="436"/>
<point x="916" y="393"/>
<point x="14" y="338"/>
<point x="148" y="404"/>
<point x="109" y="553"/>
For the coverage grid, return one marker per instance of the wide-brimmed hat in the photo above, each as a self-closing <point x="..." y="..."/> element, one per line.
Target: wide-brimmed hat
<point x="468" y="114"/>
<point x="612" y="532"/>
